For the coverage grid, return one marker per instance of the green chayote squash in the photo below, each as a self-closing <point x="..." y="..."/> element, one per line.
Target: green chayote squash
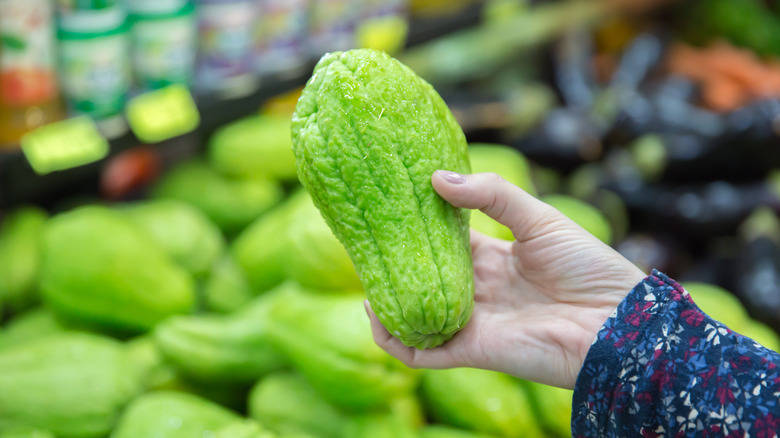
<point x="261" y="249"/>
<point x="720" y="304"/>
<point x="553" y="406"/>
<point x="25" y="432"/>
<point x="439" y="431"/>
<point x="315" y="258"/>
<point x="479" y="400"/>
<point x="99" y="268"/>
<point x="29" y="326"/>
<point x="256" y="145"/>
<point x="72" y="384"/>
<point x="149" y="364"/>
<point x="287" y="403"/>
<point x="512" y="166"/>
<point x="233" y="348"/>
<point x="244" y="429"/>
<point x="20" y="253"/>
<point x="503" y="160"/>
<point x="231" y="203"/>
<point x="763" y="334"/>
<point x="184" y="232"/>
<point x="367" y="135"/>
<point x="327" y="338"/>
<point x="226" y="289"/>
<point x="377" y="426"/>
<point x="165" y="414"/>
<point x="584" y="214"/>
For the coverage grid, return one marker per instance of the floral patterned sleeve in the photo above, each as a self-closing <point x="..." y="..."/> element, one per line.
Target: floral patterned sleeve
<point x="661" y="367"/>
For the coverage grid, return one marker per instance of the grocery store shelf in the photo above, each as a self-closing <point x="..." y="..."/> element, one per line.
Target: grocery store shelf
<point x="19" y="184"/>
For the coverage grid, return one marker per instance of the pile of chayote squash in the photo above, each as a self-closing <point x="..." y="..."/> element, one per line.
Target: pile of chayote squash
<point x="223" y="307"/>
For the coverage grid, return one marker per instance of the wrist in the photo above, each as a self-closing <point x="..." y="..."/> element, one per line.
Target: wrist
<point x="607" y="297"/>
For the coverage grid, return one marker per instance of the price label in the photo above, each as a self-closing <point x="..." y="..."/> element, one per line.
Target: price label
<point x="162" y="114"/>
<point x="382" y="33"/>
<point x="64" y="145"/>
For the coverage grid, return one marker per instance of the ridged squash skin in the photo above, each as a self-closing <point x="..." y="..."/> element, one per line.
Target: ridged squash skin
<point x="368" y="133"/>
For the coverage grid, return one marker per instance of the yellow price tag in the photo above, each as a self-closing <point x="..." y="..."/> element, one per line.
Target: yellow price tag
<point x="162" y="114"/>
<point x="382" y="33"/>
<point x="63" y="145"/>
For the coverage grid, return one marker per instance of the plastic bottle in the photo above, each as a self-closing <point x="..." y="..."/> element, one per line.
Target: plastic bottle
<point x="281" y="37"/>
<point x="95" y="66"/>
<point x="226" y="29"/>
<point x="164" y="42"/>
<point x="28" y="79"/>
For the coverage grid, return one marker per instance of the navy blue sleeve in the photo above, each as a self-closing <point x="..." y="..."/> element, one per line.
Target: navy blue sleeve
<point x="661" y="367"/>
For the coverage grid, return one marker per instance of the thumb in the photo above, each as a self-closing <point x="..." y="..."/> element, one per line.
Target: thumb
<point x="503" y="201"/>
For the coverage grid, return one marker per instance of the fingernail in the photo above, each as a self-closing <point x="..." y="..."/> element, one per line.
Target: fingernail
<point x="453" y="177"/>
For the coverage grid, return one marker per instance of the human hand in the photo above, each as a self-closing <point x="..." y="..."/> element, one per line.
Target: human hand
<point x="539" y="300"/>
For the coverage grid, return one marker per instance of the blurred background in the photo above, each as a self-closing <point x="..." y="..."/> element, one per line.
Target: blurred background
<point x="654" y="124"/>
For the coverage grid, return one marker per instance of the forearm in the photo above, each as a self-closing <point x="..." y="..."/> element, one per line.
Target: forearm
<point x="661" y="366"/>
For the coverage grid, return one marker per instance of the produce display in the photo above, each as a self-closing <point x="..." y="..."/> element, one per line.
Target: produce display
<point x="222" y="296"/>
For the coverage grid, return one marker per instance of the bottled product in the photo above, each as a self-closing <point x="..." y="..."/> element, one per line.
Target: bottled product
<point x="28" y="83"/>
<point x="164" y="42"/>
<point x="332" y="25"/>
<point x="281" y="36"/>
<point x="95" y="69"/>
<point x="226" y="29"/>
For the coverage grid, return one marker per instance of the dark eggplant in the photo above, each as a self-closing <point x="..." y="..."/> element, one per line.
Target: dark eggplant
<point x="757" y="269"/>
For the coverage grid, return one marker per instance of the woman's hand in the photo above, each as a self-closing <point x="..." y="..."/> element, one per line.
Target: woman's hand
<point x="540" y="300"/>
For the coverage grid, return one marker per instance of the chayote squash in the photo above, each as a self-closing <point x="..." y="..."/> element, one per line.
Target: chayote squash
<point x="255" y="145"/>
<point x="261" y="249"/>
<point x="367" y="135"/>
<point x="231" y="203"/>
<point x="553" y="406"/>
<point x="20" y="253"/>
<point x="100" y="269"/>
<point x="512" y="166"/>
<point x="377" y="426"/>
<point x="149" y="364"/>
<point x="327" y="338"/>
<point x="25" y="432"/>
<point x="503" y="160"/>
<point x="287" y="403"/>
<point x="584" y="214"/>
<point x="226" y="289"/>
<point x="30" y="326"/>
<point x="439" y="431"/>
<point x="479" y="400"/>
<point x="233" y="348"/>
<point x="244" y="429"/>
<point x="164" y="414"/>
<point x="763" y="334"/>
<point x="184" y="232"/>
<point x="315" y="258"/>
<point x="719" y="304"/>
<point x="72" y="384"/>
